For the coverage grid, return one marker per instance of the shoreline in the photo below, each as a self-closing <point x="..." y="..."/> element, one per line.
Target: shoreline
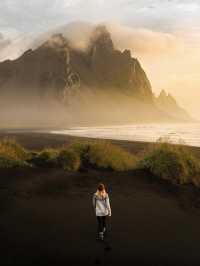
<point x="132" y="133"/>
<point x="40" y="140"/>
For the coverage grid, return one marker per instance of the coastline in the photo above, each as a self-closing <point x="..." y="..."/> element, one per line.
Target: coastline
<point x="180" y="133"/>
<point x="40" y="140"/>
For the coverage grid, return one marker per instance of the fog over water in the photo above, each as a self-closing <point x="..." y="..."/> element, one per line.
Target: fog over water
<point x="188" y="134"/>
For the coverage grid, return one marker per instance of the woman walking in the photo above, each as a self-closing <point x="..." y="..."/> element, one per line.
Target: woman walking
<point x="102" y="208"/>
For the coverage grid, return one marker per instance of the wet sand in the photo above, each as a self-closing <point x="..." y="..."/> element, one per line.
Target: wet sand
<point x="47" y="216"/>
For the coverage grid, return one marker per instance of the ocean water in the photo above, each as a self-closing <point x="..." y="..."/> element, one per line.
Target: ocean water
<point x="188" y="133"/>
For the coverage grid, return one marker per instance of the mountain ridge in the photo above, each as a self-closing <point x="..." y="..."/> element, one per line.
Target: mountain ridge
<point x="56" y="70"/>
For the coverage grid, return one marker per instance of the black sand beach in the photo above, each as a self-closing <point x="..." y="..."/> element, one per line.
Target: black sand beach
<point x="47" y="216"/>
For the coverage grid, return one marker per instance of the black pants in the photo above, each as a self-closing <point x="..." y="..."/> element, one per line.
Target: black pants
<point x="101" y="223"/>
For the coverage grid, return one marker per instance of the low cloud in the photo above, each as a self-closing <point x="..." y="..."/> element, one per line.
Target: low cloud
<point x="144" y="41"/>
<point x="4" y="42"/>
<point x="13" y="48"/>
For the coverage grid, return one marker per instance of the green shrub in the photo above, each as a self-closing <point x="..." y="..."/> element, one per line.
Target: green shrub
<point x="171" y="162"/>
<point x="104" y="155"/>
<point x="45" y="158"/>
<point x="108" y="156"/>
<point x="69" y="160"/>
<point x="6" y="162"/>
<point x="12" y="154"/>
<point x="81" y="148"/>
<point x="11" y="149"/>
<point x="192" y="168"/>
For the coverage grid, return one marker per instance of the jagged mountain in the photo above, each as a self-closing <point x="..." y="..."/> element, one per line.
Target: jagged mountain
<point x="77" y="79"/>
<point x="168" y="104"/>
<point x="48" y="67"/>
<point x="117" y="69"/>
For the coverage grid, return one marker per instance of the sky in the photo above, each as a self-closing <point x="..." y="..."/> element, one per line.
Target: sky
<point x="163" y="34"/>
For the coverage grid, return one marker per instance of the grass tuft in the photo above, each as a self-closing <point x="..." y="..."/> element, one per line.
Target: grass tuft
<point x="104" y="155"/>
<point x="69" y="160"/>
<point x="172" y="162"/>
<point x="11" y="149"/>
<point x="45" y="158"/>
<point x="12" y="154"/>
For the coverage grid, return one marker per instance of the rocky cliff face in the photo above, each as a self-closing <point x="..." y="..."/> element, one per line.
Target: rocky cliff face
<point x="117" y="69"/>
<point x="35" y="73"/>
<point x="55" y="68"/>
<point x="57" y="71"/>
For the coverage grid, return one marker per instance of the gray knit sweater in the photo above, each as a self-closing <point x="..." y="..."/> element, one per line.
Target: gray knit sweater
<point x="101" y="205"/>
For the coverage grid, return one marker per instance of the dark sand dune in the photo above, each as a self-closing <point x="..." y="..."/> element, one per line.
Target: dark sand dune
<point x="46" y="218"/>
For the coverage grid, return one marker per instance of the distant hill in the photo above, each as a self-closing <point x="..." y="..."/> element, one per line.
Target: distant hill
<point x="93" y="86"/>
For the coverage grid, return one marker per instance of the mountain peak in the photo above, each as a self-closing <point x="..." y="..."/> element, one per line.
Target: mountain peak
<point x="167" y="103"/>
<point x="101" y="39"/>
<point x="56" y="41"/>
<point x="165" y="97"/>
<point x="162" y="94"/>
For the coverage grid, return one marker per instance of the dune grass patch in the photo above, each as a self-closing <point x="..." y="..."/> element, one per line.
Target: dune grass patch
<point x="172" y="162"/>
<point x="45" y="158"/>
<point x="166" y="161"/>
<point x="12" y="154"/>
<point x="6" y="162"/>
<point x="69" y="160"/>
<point x="104" y="155"/>
<point x="11" y="149"/>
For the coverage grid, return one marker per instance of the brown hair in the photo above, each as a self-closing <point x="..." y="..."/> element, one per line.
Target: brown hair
<point x="101" y="191"/>
<point x="101" y="187"/>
